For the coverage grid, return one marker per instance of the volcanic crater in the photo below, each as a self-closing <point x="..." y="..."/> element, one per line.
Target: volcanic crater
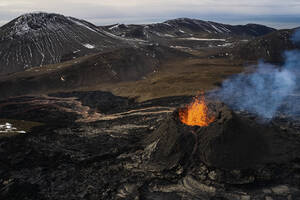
<point x="228" y="141"/>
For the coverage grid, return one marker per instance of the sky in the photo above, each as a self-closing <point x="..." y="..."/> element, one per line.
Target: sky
<point x="275" y="13"/>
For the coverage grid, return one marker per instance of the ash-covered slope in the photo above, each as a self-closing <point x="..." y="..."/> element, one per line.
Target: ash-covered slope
<point x="185" y="27"/>
<point x="269" y="47"/>
<point x="38" y="39"/>
<point x="118" y="65"/>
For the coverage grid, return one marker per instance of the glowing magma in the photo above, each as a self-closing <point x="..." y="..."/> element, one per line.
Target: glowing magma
<point x="196" y="113"/>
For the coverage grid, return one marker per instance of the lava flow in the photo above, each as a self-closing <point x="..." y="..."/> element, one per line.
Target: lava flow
<point x="196" y="113"/>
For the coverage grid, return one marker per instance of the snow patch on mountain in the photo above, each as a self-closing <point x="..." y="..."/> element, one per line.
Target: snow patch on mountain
<point x="81" y="24"/>
<point x="168" y="35"/>
<point x="77" y="51"/>
<point x="20" y="28"/>
<point x="217" y="29"/>
<point x="225" y="45"/>
<point x="8" y="128"/>
<point x="114" y="27"/>
<point x="203" y="39"/>
<point x="167" y="24"/>
<point x="89" y="46"/>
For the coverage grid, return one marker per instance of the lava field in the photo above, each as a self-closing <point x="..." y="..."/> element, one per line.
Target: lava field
<point x="144" y="151"/>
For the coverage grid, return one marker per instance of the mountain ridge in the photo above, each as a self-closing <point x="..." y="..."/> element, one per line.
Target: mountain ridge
<point x="183" y="27"/>
<point x="38" y="39"/>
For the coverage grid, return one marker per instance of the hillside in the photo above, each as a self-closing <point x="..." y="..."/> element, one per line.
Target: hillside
<point x="269" y="47"/>
<point x="111" y="67"/>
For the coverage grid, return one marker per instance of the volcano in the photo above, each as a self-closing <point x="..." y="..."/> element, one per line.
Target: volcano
<point x="228" y="140"/>
<point x="38" y="39"/>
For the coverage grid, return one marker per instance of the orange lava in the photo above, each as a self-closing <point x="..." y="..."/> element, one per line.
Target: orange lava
<point x="196" y="113"/>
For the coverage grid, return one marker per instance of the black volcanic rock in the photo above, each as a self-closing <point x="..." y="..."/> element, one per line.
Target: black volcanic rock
<point x="60" y="108"/>
<point x="40" y="38"/>
<point x="103" y="102"/>
<point x="106" y="158"/>
<point x="171" y="144"/>
<point x="233" y="142"/>
<point x="41" y="109"/>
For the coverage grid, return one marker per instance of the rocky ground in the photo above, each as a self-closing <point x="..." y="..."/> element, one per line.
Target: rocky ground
<point x="92" y="146"/>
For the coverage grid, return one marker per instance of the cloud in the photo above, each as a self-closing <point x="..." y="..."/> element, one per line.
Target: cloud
<point x="138" y="11"/>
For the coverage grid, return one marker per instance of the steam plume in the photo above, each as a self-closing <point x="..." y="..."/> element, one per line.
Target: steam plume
<point x="264" y="91"/>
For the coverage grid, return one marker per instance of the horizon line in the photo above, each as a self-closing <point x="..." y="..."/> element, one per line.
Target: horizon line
<point x="266" y="20"/>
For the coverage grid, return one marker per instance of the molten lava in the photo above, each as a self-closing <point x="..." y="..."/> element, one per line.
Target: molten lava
<point x="196" y="113"/>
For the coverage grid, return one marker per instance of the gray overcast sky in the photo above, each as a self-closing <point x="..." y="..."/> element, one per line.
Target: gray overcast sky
<point x="277" y="13"/>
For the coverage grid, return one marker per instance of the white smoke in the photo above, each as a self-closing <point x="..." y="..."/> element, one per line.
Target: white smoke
<point x="264" y="91"/>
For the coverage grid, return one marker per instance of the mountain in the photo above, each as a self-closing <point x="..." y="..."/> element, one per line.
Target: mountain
<point x="269" y="47"/>
<point x="185" y="27"/>
<point x="38" y="39"/>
